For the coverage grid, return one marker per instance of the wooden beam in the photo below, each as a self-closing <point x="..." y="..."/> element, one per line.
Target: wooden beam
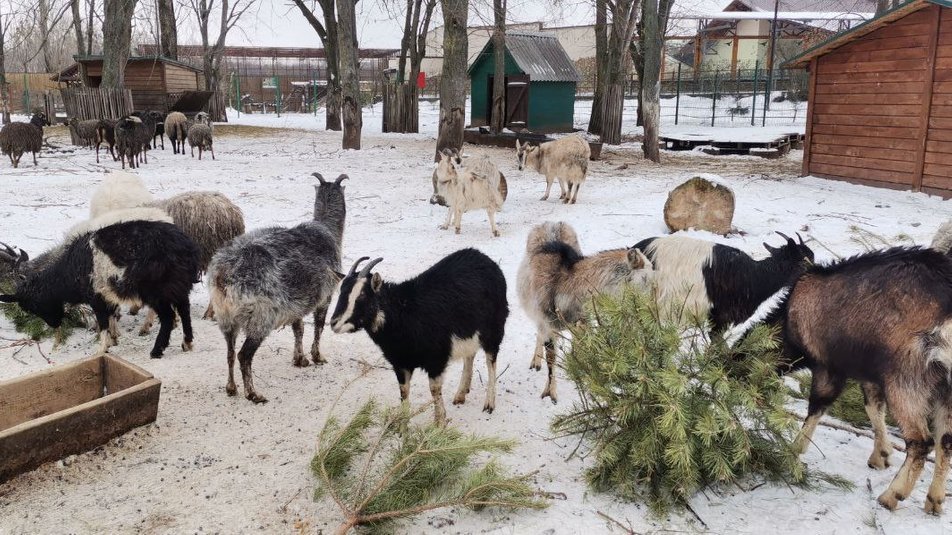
<point x="926" y="102"/>
<point x="811" y="105"/>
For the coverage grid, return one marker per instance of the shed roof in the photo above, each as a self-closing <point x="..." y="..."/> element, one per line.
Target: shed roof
<point x="540" y="55"/>
<point x="863" y="29"/>
<point x="826" y="6"/>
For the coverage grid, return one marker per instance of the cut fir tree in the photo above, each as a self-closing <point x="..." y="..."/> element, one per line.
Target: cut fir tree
<point x="665" y="413"/>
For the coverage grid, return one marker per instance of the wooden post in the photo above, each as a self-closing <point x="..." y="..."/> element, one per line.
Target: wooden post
<point x="926" y="100"/>
<point x="808" y="138"/>
<point x="734" y="46"/>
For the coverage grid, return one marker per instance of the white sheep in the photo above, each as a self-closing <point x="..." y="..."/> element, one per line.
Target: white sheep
<point x="565" y="158"/>
<point x="120" y="189"/>
<point x="467" y="185"/>
<point x="942" y="241"/>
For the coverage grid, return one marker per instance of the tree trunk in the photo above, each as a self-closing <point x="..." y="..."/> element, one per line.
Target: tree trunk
<point x="168" y="34"/>
<point x="453" y="78"/>
<point x="116" y="39"/>
<point x="638" y="64"/>
<point x="624" y="15"/>
<point x="90" y="25"/>
<point x="601" y="65"/>
<point x="4" y="86"/>
<point x="80" y="49"/>
<point x="349" y="74"/>
<point x="654" y="21"/>
<point x="43" y="18"/>
<point x="498" y="116"/>
<point x="327" y="31"/>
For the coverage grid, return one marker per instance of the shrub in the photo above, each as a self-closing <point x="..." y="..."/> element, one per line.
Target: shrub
<point x="666" y="413"/>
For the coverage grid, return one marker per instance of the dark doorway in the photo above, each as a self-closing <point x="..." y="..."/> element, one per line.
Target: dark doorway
<point x="517" y="101"/>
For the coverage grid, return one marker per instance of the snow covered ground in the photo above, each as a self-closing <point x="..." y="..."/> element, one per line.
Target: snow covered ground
<point x="217" y="464"/>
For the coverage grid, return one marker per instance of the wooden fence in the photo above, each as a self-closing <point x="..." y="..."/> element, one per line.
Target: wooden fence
<point x="95" y="103"/>
<point x="400" y="108"/>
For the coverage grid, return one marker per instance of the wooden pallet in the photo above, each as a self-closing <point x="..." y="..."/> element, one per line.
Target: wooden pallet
<point x="774" y="148"/>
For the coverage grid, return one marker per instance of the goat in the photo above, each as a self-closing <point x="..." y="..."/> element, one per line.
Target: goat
<point x="176" y="127"/>
<point x="17" y="138"/>
<point x="942" y="241"/>
<point x="555" y="281"/>
<point x="697" y="278"/>
<point x="449" y="311"/>
<point x="565" y="158"/>
<point x="477" y="184"/>
<point x="129" y="262"/>
<point x="106" y="130"/>
<point x="88" y="132"/>
<point x="437" y="198"/>
<point x="127" y="140"/>
<point x="145" y="131"/>
<point x="275" y="276"/>
<point x="200" y="135"/>
<point x="159" y="135"/>
<point x="883" y="318"/>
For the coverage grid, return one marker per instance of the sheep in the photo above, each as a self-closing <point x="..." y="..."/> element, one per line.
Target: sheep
<point x="555" y="281"/>
<point x="128" y="262"/>
<point x="106" y="130"/>
<point x="118" y="190"/>
<point x="88" y="132"/>
<point x="127" y="140"/>
<point x="200" y="135"/>
<point x="145" y="131"/>
<point x="17" y="138"/>
<point x="477" y="184"/>
<point x="176" y="127"/>
<point x="565" y="158"/>
<point x="942" y="241"/>
<point x="696" y="278"/>
<point x="275" y="276"/>
<point x="883" y="318"/>
<point x="159" y="119"/>
<point x="449" y="311"/>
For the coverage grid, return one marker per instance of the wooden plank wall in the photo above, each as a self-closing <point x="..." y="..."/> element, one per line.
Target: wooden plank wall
<point x="867" y="112"/>
<point x="180" y="79"/>
<point x="144" y="76"/>
<point x="937" y="168"/>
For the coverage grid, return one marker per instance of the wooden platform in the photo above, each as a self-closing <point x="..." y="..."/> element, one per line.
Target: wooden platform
<point x="71" y="408"/>
<point x="773" y="146"/>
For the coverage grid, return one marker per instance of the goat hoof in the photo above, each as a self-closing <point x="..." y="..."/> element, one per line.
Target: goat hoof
<point x="156" y="354"/>
<point x="301" y="362"/>
<point x="444" y="227"/>
<point x="186" y="346"/>
<point x="231" y="390"/>
<point x="889" y="500"/>
<point x="544" y="198"/>
<point x="489" y="408"/>
<point x="572" y="202"/>
<point x="144" y="331"/>
<point x="878" y="461"/>
<point x="256" y="398"/>
<point x="319" y="360"/>
<point x="495" y="234"/>
<point x="457" y="230"/>
<point x="933" y="506"/>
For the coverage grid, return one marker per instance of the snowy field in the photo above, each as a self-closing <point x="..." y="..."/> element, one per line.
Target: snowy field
<point x="212" y="463"/>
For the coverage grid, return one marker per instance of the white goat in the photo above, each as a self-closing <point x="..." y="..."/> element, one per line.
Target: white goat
<point x="565" y="158"/>
<point x="120" y="189"/>
<point x="942" y="241"/>
<point x="467" y="186"/>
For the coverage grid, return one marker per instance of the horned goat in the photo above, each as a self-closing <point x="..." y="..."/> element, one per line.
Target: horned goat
<point x="176" y="127"/>
<point x="129" y="262"/>
<point x="200" y="135"/>
<point x="475" y="184"/>
<point x="565" y="159"/>
<point x="275" y="276"/>
<point x="883" y="318"/>
<point x="17" y="138"/>
<point x="555" y="281"/>
<point x="449" y="311"/>
<point x="697" y="278"/>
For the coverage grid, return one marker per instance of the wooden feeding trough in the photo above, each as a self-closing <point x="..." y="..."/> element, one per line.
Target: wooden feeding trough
<point x="70" y="409"/>
<point x="771" y="146"/>
<point x="482" y="136"/>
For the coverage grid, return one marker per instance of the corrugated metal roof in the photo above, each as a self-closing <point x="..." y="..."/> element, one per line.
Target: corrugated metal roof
<point x="540" y="55"/>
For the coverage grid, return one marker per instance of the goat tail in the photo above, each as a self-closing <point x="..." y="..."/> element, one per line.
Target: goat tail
<point x="937" y="347"/>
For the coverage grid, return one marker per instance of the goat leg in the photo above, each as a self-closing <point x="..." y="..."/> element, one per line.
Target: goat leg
<point x="824" y="389"/>
<point x="549" y="391"/>
<point x="166" y="319"/>
<point x="492" y="222"/>
<point x="436" y="391"/>
<point x="320" y="314"/>
<point x="466" y="381"/>
<point x="536" y="363"/>
<point x="943" y="456"/>
<point x="876" y="410"/>
<point x="548" y="188"/>
<point x="297" y="326"/>
<point x="245" y="356"/>
<point x="449" y="219"/>
<point x="183" y="309"/>
<point x="231" y="335"/>
<point x="490" y="404"/>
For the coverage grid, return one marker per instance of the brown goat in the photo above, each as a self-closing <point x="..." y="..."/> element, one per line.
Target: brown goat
<point x="556" y="280"/>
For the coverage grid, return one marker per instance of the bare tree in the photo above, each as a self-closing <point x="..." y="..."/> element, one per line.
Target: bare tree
<point x="116" y="37"/>
<point x="624" y="15"/>
<point x="43" y="16"/>
<point x="80" y="48"/>
<point x="601" y="65"/>
<point x="213" y="48"/>
<point x="453" y="78"/>
<point x="498" y="116"/>
<point x="327" y="32"/>
<point x="168" y="33"/>
<point x="654" y="21"/>
<point x="7" y="15"/>
<point x="349" y="74"/>
<point x="401" y="101"/>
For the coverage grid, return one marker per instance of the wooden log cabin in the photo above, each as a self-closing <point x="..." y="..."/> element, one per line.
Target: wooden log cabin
<point x="155" y="82"/>
<point x="880" y="102"/>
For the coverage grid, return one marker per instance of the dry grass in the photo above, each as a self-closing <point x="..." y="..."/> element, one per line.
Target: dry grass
<point x="245" y="131"/>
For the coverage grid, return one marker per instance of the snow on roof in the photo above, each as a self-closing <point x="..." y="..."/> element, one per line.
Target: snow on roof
<point x="782" y="15"/>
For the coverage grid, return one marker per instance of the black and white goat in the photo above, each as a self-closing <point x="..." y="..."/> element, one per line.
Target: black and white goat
<point x="884" y="319"/>
<point x="275" y="276"/>
<point x="131" y="262"/>
<point x="449" y="311"/>
<point x="695" y="278"/>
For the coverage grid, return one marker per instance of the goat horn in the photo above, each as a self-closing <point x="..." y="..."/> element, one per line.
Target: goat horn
<point x="801" y="238"/>
<point x="353" y="269"/>
<point x="784" y="236"/>
<point x="10" y="255"/>
<point x="340" y="179"/>
<point x="366" y="271"/>
<point x="319" y="177"/>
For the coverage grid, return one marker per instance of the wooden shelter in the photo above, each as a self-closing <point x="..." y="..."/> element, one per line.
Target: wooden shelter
<point x="540" y="84"/>
<point x="880" y="104"/>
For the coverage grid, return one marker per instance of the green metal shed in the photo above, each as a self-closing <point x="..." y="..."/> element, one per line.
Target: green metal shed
<point x="540" y="84"/>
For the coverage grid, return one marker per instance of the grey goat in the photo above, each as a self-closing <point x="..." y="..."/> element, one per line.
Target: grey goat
<point x="275" y="276"/>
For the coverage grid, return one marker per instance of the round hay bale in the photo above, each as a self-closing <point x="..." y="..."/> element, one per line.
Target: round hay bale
<point x="701" y="204"/>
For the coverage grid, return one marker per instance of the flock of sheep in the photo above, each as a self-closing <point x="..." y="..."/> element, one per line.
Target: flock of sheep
<point x="883" y="318"/>
<point x="128" y="139"/>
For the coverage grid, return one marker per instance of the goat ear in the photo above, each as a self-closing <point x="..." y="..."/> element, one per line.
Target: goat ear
<point x="376" y="282"/>
<point x="637" y="259"/>
<point x="338" y="276"/>
<point x="23" y="257"/>
<point x="8" y="298"/>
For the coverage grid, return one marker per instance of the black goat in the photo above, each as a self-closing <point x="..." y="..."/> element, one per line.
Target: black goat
<point x="127" y="140"/>
<point x="885" y="319"/>
<point x="698" y="277"/>
<point x="137" y="262"/>
<point x="449" y="311"/>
